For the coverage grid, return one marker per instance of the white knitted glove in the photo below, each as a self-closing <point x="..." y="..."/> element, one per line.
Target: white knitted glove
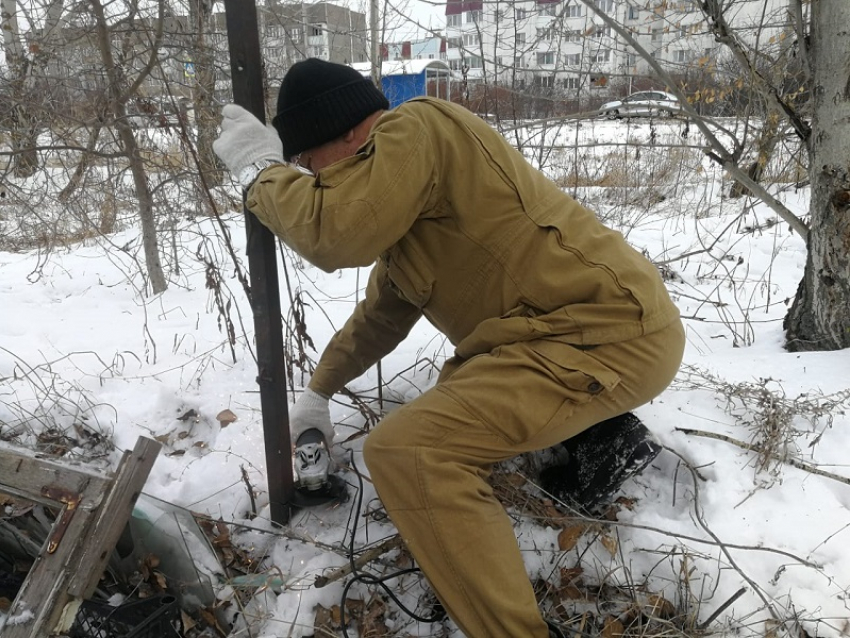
<point x="246" y="145"/>
<point x="311" y="411"/>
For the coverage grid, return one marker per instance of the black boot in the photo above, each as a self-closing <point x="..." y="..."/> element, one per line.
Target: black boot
<point x="600" y="460"/>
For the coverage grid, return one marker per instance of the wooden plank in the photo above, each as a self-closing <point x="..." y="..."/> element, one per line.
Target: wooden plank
<point x="93" y="519"/>
<point x="21" y="471"/>
<point x="112" y="516"/>
<point x="43" y="590"/>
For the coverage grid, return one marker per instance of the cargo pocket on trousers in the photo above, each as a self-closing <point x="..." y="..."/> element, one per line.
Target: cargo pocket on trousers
<point x="582" y="376"/>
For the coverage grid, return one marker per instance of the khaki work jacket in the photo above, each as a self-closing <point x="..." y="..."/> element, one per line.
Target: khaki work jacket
<point x="463" y="230"/>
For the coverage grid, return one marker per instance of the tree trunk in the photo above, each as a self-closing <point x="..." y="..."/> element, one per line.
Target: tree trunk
<point x="83" y="165"/>
<point x="22" y="130"/>
<point x="24" y="137"/>
<point x="819" y="318"/>
<point x="128" y="145"/>
<point x="206" y="114"/>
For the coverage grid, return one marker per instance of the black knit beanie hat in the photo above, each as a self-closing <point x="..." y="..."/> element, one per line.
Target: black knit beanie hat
<point x="319" y="101"/>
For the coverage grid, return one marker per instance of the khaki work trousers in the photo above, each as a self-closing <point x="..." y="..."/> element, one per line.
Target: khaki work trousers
<point x="430" y="461"/>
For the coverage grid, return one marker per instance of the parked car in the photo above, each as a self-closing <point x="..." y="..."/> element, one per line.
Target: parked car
<point x="643" y="104"/>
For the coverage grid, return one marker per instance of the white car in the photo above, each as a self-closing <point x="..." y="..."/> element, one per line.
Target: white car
<point x="643" y="103"/>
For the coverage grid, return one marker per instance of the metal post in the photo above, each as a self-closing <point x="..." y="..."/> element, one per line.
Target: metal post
<point x="246" y="71"/>
<point x="377" y="49"/>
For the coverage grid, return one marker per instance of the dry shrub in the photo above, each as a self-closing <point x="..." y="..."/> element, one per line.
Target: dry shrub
<point x="771" y="418"/>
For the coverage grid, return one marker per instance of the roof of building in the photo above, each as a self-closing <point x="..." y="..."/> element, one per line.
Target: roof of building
<point x="401" y="67"/>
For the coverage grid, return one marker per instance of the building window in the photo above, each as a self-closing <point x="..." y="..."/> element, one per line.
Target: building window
<point x="601" y="56"/>
<point x="470" y="39"/>
<point x="683" y="6"/>
<point x="657" y="33"/>
<point x="473" y="17"/>
<point x="605" y="5"/>
<point x="454" y="43"/>
<point x="573" y="36"/>
<point x="572" y="83"/>
<point x="548" y="10"/>
<point x="546" y="58"/>
<point x="520" y="39"/>
<point x="681" y="56"/>
<point x="474" y="62"/>
<point x="573" y="11"/>
<point x="295" y="35"/>
<point x="518" y="62"/>
<point x="521" y="14"/>
<point x="544" y="81"/>
<point x="316" y="31"/>
<point x="631" y="59"/>
<point x="572" y="59"/>
<point x="454" y="20"/>
<point x="600" y="31"/>
<point x="634" y="13"/>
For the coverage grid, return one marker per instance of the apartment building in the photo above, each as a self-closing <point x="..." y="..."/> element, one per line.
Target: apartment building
<point x="295" y="31"/>
<point x="565" y="45"/>
<point x="427" y="49"/>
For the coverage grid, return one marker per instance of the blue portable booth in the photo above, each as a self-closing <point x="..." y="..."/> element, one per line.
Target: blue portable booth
<point x="405" y="79"/>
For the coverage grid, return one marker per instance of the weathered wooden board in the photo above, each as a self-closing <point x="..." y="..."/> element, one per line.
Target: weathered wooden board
<point x="94" y="510"/>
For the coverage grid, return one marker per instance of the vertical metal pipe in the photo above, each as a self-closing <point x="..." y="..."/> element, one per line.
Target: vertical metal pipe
<point x="247" y="75"/>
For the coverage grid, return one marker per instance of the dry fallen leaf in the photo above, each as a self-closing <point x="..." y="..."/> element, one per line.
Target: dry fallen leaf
<point x="324" y="622"/>
<point x="225" y="418"/>
<point x="609" y="543"/>
<point x="568" y="537"/>
<point x="187" y="621"/>
<point x="612" y="628"/>
<point x="570" y="592"/>
<point x="571" y="575"/>
<point x="660" y="607"/>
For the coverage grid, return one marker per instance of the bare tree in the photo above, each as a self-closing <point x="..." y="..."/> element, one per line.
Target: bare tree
<point x="26" y="69"/>
<point x="119" y="91"/>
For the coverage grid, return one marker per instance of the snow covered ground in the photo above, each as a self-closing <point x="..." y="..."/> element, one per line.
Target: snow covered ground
<point x="82" y="353"/>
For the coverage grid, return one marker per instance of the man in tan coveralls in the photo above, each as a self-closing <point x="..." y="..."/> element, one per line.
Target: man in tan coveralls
<point x="557" y="323"/>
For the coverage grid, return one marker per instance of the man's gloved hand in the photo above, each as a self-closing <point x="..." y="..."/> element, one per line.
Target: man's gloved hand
<point x="311" y="411"/>
<point x="246" y="145"/>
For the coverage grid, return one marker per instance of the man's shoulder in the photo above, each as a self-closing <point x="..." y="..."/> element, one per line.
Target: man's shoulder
<point x="424" y="104"/>
<point x="432" y="109"/>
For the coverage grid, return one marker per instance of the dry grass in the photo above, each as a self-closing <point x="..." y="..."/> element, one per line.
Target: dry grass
<point x="580" y="597"/>
<point x="772" y="419"/>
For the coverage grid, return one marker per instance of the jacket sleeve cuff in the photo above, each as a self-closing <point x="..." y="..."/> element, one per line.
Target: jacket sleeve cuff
<point x="248" y="174"/>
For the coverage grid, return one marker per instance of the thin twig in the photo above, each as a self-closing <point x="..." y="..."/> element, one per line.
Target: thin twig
<point x="250" y="489"/>
<point x="719" y="610"/>
<point x="800" y="465"/>
<point x="724" y="547"/>
<point x="365" y="558"/>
